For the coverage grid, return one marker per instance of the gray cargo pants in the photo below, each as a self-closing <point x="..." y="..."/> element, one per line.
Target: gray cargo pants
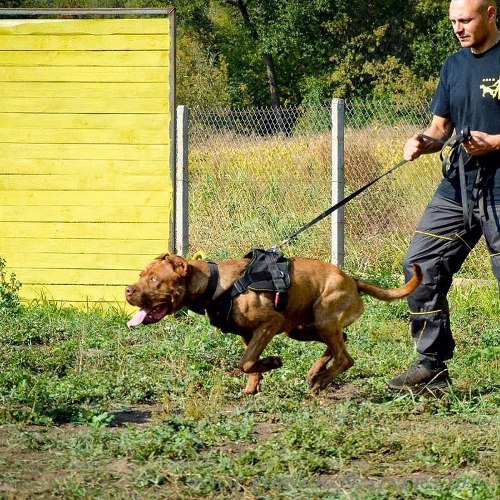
<point x="440" y="245"/>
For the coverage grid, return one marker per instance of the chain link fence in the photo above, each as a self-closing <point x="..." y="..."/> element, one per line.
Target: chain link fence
<point x="256" y="175"/>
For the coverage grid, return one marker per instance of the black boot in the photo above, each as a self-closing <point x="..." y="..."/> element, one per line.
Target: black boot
<point x="424" y="374"/>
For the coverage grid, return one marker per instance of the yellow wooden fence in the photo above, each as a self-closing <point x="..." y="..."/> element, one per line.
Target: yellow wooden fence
<point x="86" y="153"/>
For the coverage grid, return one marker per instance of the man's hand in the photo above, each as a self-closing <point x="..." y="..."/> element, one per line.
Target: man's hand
<point x="440" y="128"/>
<point x="416" y="146"/>
<point x="481" y="143"/>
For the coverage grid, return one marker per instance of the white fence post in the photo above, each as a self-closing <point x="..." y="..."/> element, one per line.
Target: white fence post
<point x="338" y="108"/>
<point x="181" y="183"/>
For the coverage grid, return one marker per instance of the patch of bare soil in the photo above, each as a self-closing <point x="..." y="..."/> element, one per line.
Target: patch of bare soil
<point x="141" y="415"/>
<point x="374" y="483"/>
<point x="25" y="472"/>
<point x="31" y="468"/>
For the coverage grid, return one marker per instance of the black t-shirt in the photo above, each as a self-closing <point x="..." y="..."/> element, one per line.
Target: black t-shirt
<point x="469" y="95"/>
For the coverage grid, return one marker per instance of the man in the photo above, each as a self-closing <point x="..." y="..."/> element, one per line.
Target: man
<point x="468" y="95"/>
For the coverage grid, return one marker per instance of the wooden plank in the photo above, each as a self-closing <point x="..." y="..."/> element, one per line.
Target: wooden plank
<point x="83" y="74"/>
<point x="23" y="166"/>
<point x="24" y="260"/>
<point x="131" y="244"/>
<point x="65" y="230"/>
<point x="123" y="121"/>
<point x="82" y="183"/>
<point x="85" y="136"/>
<point x="144" y="26"/>
<point x="54" y="276"/>
<point x="85" y="105"/>
<point x="85" y="178"/>
<point x="76" y="294"/>
<point x="88" y="198"/>
<point x="109" y="58"/>
<point x="125" y="213"/>
<point x="72" y="42"/>
<point x="86" y="152"/>
<point x="83" y="89"/>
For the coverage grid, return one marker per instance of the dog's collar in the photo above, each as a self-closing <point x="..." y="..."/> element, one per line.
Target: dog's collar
<point x="213" y="280"/>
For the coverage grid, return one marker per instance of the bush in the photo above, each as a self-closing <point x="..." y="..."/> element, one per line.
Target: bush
<point x="9" y="288"/>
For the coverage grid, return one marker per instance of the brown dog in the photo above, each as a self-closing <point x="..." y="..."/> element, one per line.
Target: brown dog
<point x="322" y="301"/>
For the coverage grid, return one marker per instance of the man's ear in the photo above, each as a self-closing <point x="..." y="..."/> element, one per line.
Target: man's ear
<point x="492" y="14"/>
<point x="179" y="264"/>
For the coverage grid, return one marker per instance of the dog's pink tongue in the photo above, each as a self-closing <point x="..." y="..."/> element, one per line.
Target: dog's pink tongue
<point x="138" y="318"/>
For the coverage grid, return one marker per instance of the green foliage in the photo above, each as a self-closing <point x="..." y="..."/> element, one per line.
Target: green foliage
<point x="380" y="48"/>
<point x="9" y="288"/>
<point x="159" y="410"/>
<point x="202" y="79"/>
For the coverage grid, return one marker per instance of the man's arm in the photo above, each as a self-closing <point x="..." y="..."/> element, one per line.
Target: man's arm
<point x="440" y="128"/>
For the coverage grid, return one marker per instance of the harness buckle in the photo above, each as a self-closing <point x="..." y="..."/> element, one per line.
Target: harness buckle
<point x="239" y="286"/>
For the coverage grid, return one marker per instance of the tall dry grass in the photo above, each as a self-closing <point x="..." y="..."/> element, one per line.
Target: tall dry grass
<point x="254" y="191"/>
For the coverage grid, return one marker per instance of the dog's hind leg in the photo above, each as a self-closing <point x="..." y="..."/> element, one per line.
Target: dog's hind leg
<point x="333" y="337"/>
<point x="253" y="384"/>
<point x="320" y="364"/>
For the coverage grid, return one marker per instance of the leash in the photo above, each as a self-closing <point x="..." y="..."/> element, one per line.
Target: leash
<point x="341" y="203"/>
<point x="453" y="142"/>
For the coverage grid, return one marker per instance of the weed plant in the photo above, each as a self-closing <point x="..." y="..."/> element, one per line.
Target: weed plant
<point x="9" y="288"/>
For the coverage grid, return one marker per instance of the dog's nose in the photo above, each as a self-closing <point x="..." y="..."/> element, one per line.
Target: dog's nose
<point x="129" y="291"/>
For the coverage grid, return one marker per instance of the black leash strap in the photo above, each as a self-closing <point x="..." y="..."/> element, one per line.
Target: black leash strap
<point x="453" y="142"/>
<point x="342" y="202"/>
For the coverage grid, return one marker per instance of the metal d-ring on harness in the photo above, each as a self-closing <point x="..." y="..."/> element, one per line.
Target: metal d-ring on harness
<point x="453" y="142"/>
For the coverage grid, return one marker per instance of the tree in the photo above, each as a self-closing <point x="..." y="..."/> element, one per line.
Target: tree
<point x="260" y="52"/>
<point x="250" y="26"/>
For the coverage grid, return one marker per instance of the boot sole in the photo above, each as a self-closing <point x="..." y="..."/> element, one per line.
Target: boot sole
<point x="438" y="386"/>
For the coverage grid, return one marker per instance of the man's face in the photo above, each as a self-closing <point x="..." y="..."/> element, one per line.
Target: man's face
<point x="470" y="23"/>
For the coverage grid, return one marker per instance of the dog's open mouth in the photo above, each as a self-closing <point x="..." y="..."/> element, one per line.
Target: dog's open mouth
<point x="148" y="316"/>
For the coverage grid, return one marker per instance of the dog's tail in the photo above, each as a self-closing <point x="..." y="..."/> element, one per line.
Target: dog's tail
<point x="389" y="294"/>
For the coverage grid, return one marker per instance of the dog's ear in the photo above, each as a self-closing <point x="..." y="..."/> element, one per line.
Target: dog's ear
<point x="163" y="256"/>
<point x="179" y="264"/>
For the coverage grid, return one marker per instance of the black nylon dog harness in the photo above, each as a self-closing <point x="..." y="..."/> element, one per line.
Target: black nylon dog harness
<point x="268" y="271"/>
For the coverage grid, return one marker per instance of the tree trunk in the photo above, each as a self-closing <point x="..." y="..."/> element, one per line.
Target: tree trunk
<point x="268" y="58"/>
<point x="271" y="76"/>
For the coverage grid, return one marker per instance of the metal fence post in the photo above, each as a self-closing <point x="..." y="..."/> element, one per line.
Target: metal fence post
<point x="181" y="183"/>
<point x="338" y="108"/>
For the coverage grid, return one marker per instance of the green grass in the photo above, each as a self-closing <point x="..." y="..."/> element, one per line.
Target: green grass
<point x="90" y="409"/>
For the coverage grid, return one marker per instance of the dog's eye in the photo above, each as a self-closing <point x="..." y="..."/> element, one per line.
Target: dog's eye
<point x="153" y="279"/>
